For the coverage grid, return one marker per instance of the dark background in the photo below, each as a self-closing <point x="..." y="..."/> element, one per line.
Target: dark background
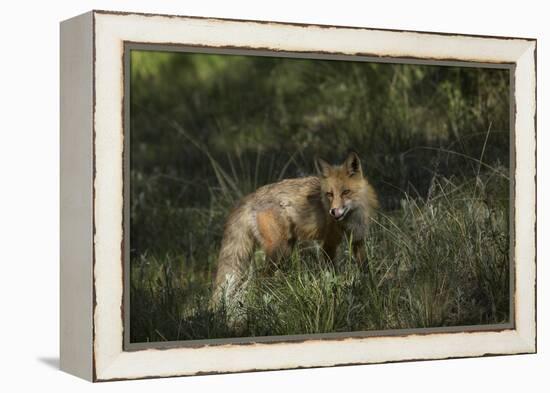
<point x="265" y="114"/>
<point x="208" y="129"/>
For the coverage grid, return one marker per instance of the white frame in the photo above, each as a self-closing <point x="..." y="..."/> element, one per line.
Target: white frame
<point x="92" y="107"/>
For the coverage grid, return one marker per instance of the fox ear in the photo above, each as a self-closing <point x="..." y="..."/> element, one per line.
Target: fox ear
<point x="353" y="164"/>
<point x="322" y="167"/>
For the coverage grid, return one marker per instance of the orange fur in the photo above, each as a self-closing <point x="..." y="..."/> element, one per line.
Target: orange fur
<point x="339" y="201"/>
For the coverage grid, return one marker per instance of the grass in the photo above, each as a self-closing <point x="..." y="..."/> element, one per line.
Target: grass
<point x="441" y="260"/>
<point x="209" y="129"/>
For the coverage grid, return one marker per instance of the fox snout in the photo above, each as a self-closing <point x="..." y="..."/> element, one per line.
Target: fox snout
<point x="338" y="213"/>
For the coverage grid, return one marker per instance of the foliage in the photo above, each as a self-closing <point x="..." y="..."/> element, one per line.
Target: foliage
<point x="434" y="141"/>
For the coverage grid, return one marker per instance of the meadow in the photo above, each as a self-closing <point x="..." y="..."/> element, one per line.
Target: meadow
<point x="205" y="130"/>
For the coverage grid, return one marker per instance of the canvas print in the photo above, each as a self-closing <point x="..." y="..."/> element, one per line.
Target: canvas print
<point x="280" y="196"/>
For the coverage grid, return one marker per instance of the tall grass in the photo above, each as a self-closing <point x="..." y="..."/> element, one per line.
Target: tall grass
<point x="436" y="261"/>
<point x="209" y="129"/>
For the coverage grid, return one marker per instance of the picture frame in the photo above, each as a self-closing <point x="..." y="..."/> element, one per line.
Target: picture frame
<point x="94" y="222"/>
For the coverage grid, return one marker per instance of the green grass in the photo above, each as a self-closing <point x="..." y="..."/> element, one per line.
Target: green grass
<point x="436" y="261"/>
<point x="433" y="140"/>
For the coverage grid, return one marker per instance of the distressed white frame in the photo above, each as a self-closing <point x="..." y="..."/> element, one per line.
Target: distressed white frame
<point x="111" y="30"/>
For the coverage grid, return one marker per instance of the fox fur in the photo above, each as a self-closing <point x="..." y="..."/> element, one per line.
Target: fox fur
<point x="338" y="202"/>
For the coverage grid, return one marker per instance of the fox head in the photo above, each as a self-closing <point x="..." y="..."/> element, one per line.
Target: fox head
<point x="342" y="185"/>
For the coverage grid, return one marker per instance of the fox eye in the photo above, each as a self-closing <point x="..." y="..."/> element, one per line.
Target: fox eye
<point x="330" y="194"/>
<point x="345" y="192"/>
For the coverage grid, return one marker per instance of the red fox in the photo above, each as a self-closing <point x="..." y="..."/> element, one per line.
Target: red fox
<point x="338" y="201"/>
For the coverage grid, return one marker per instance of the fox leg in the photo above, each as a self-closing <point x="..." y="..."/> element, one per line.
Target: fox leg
<point x="330" y="245"/>
<point x="274" y="235"/>
<point x="360" y="254"/>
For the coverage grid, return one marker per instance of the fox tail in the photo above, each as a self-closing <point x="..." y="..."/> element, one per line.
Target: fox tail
<point x="234" y="257"/>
